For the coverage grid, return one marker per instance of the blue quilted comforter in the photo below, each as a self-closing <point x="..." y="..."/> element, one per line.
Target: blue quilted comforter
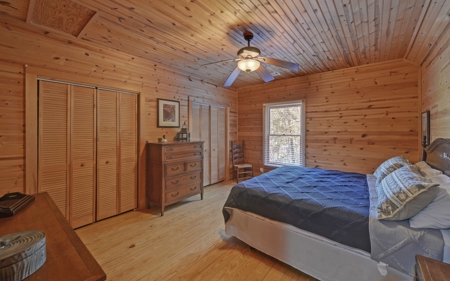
<point x="332" y="204"/>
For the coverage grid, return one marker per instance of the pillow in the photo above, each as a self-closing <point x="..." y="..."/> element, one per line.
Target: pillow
<point x="389" y="166"/>
<point x="426" y="170"/>
<point x="404" y="193"/>
<point x="437" y="213"/>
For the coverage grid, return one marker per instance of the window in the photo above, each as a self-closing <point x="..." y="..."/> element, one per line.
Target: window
<point x="284" y="141"/>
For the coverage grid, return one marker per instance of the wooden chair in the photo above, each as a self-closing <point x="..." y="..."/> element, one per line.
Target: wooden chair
<point x="241" y="170"/>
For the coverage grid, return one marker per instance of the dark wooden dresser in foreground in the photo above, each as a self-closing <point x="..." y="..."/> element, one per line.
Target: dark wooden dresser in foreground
<point x="428" y="269"/>
<point x="174" y="172"/>
<point x="67" y="257"/>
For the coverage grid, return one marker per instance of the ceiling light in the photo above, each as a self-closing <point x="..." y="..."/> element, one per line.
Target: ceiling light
<point x="248" y="65"/>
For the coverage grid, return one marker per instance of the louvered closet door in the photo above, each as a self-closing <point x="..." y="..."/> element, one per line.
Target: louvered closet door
<point x="128" y="152"/>
<point x="205" y="134"/>
<point x="53" y="154"/>
<point x="221" y="143"/>
<point x="214" y="146"/>
<point x="107" y="154"/>
<point x="194" y="121"/>
<point x="82" y="198"/>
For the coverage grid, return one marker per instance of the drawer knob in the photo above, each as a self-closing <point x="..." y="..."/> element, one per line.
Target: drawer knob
<point x="82" y="165"/>
<point x="193" y="177"/>
<point x="170" y="148"/>
<point x="176" y="169"/>
<point x="170" y="157"/>
<point x="193" y="188"/>
<point x="193" y="165"/>
<point x="175" y="194"/>
<point x="107" y="162"/>
<point x="175" y="182"/>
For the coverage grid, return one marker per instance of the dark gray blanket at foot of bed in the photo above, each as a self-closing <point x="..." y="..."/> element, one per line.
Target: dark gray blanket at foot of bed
<point x="332" y="204"/>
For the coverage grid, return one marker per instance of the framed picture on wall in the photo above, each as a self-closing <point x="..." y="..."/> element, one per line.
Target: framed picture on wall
<point x="168" y="113"/>
<point x="426" y="127"/>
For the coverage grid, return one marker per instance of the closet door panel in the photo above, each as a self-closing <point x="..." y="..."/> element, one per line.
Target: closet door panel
<point x="221" y="143"/>
<point x="83" y="178"/>
<point x="53" y="154"/>
<point x="107" y="154"/>
<point x="214" y="146"/>
<point x="195" y="121"/>
<point x="128" y="152"/>
<point x="205" y="134"/>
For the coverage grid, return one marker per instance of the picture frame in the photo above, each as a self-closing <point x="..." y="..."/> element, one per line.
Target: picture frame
<point x="425" y="128"/>
<point x="168" y="113"/>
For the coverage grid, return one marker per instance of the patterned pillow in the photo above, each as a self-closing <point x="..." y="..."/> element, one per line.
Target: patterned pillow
<point x="389" y="166"/>
<point x="404" y="193"/>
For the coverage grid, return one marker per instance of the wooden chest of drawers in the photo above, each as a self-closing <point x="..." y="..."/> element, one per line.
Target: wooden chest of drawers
<point x="174" y="172"/>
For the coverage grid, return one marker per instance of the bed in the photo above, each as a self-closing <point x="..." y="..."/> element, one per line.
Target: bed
<point x="326" y="223"/>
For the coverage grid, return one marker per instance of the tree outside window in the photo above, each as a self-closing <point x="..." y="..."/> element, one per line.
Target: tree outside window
<point x="283" y="135"/>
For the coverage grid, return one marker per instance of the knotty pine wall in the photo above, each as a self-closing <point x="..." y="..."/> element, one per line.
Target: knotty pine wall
<point x="355" y="118"/>
<point x="48" y="52"/>
<point x="436" y="87"/>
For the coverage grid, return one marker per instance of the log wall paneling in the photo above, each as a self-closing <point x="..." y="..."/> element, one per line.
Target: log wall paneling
<point x="355" y="118"/>
<point x="435" y="87"/>
<point x="54" y="143"/>
<point x="12" y="108"/>
<point x="107" y="154"/>
<point x="83" y="156"/>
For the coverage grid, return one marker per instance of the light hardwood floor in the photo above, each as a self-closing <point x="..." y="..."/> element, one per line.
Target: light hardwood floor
<point x="187" y="243"/>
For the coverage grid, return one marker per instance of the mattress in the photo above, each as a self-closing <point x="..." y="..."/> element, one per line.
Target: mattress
<point x="332" y="204"/>
<point x="312" y="254"/>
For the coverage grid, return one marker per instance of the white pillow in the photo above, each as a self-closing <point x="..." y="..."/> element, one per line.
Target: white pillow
<point x="426" y="170"/>
<point x="437" y="214"/>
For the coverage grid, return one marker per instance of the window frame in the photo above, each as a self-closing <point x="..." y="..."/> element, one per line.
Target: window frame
<point x="266" y="132"/>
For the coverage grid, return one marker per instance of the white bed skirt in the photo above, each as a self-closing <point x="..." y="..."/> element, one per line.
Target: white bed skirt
<point x="312" y="254"/>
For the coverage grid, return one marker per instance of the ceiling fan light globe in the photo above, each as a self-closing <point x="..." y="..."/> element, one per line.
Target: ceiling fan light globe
<point x="248" y="65"/>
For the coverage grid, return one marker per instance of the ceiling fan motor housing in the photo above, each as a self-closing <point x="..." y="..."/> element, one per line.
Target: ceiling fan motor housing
<point x="248" y="52"/>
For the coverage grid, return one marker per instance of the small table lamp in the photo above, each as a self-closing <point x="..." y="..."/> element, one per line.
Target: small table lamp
<point x="183" y="134"/>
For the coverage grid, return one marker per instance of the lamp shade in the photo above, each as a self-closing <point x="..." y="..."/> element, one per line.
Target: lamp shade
<point x="248" y="65"/>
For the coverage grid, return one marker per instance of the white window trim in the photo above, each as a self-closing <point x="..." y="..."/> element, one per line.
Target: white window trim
<point x="303" y="131"/>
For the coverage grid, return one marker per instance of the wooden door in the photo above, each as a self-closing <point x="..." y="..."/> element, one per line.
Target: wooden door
<point x="194" y="121"/>
<point x="221" y="143"/>
<point x="208" y="123"/>
<point x="128" y="152"/>
<point x="107" y="146"/>
<point x="205" y="132"/>
<point x="83" y="156"/>
<point x="214" y="169"/>
<point x="53" y="143"/>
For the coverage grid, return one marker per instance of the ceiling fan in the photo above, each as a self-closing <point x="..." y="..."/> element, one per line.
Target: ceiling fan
<point x="249" y="60"/>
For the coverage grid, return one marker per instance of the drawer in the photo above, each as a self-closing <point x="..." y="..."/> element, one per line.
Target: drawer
<point x="182" y="180"/>
<point x="193" y="165"/>
<point x="180" y="148"/>
<point x="184" y="192"/>
<point x="182" y="155"/>
<point x="173" y="169"/>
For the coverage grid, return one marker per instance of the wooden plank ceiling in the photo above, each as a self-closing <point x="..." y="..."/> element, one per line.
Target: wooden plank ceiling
<point x="319" y="35"/>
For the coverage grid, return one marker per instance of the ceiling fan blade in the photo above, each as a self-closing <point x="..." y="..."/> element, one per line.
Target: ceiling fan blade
<point x="281" y="63"/>
<point x="232" y="77"/>
<point x="220" y="61"/>
<point x="264" y="74"/>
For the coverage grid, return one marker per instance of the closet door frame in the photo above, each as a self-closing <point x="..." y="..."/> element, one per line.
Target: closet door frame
<point x="32" y="75"/>
<point x="227" y="132"/>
